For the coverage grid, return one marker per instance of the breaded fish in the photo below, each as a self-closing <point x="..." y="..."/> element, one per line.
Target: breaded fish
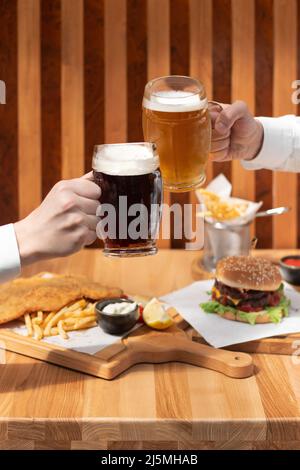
<point x="48" y="293"/>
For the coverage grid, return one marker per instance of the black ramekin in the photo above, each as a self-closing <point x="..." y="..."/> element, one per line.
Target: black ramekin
<point x="119" y="323"/>
<point x="290" y="274"/>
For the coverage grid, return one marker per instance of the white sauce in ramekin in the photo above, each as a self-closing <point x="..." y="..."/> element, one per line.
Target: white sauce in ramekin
<point x="119" y="308"/>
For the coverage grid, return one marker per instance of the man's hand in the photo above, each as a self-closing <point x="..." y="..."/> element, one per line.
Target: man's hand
<point x="236" y="135"/>
<point x="63" y="223"/>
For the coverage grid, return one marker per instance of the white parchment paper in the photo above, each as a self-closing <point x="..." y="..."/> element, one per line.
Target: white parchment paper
<point x="220" y="332"/>
<point x="222" y="187"/>
<point x="88" y="341"/>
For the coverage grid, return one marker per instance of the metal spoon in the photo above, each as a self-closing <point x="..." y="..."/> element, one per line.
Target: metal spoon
<point x="275" y="211"/>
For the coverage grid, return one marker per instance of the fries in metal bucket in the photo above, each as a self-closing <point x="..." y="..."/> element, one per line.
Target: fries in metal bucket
<point x="219" y="208"/>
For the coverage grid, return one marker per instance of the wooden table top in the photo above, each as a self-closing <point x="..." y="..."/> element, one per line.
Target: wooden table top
<point x="150" y="406"/>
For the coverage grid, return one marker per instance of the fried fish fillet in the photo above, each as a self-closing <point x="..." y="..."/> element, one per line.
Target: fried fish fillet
<point x="48" y="293"/>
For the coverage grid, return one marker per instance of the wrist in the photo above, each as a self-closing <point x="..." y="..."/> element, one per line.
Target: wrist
<point x="26" y="244"/>
<point x="256" y="145"/>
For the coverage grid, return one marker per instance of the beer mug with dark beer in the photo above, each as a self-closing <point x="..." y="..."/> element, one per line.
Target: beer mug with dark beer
<point x="131" y="197"/>
<point x="176" y="118"/>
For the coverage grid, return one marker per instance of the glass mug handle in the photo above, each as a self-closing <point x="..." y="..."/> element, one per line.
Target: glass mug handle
<point x="215" y="104"/>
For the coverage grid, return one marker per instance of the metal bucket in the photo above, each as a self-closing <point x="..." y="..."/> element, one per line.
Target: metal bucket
<point x="222" y="240"/>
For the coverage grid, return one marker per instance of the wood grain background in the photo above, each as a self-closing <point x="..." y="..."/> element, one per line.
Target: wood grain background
<point x="75" y="71"/>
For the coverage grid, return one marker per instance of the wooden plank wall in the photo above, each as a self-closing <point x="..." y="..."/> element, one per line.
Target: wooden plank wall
<point x="75" y="72"/>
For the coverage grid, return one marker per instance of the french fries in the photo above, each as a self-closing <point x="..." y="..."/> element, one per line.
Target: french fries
<point x="28" y="324"/>
<point x="38" y="333"/>
<point x="38" y="320"/>
<point x="61" y="330"/>
<point x="220" y="209"/>
<point x="76" y="316"/>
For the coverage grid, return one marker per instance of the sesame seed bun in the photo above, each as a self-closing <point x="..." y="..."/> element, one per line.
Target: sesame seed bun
<point x="247" y="272"/>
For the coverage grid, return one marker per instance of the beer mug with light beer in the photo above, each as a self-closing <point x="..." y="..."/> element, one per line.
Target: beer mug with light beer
<point x="176" y="118"/>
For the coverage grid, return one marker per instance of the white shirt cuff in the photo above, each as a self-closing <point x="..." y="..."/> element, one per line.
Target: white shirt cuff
<point x="277" y="144"/>
<point x="10" y="264"/>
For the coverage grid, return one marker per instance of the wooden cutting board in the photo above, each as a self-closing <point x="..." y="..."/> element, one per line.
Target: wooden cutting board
<point x="142" y="346"/>
<point x="285" y="344"/>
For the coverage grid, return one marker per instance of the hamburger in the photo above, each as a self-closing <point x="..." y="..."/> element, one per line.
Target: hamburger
<point x="248" y="290"/>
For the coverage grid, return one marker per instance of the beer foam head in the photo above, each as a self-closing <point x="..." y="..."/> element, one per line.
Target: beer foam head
<point x="175" y="101"/>
<point x="125" y="159"/>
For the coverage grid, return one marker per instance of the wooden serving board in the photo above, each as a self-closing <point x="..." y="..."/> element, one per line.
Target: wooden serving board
<point x="142" y="346"/>
<point x="285" y="344"/>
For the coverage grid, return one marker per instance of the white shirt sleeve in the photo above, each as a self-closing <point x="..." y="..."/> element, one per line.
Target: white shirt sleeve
<point x="10" y="265"/>
<point x="281" y="145"/>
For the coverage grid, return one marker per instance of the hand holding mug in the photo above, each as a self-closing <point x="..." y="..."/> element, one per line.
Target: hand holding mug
<point x="236" y="135"/>
<point x="63" y="223"/>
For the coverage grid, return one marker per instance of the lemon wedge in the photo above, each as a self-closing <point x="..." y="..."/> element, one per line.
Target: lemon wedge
<point x="155" y="316"/>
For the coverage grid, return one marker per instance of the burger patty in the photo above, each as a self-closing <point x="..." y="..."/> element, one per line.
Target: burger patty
<point x="245" y="300"/>
<point x="237" y="293"/>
